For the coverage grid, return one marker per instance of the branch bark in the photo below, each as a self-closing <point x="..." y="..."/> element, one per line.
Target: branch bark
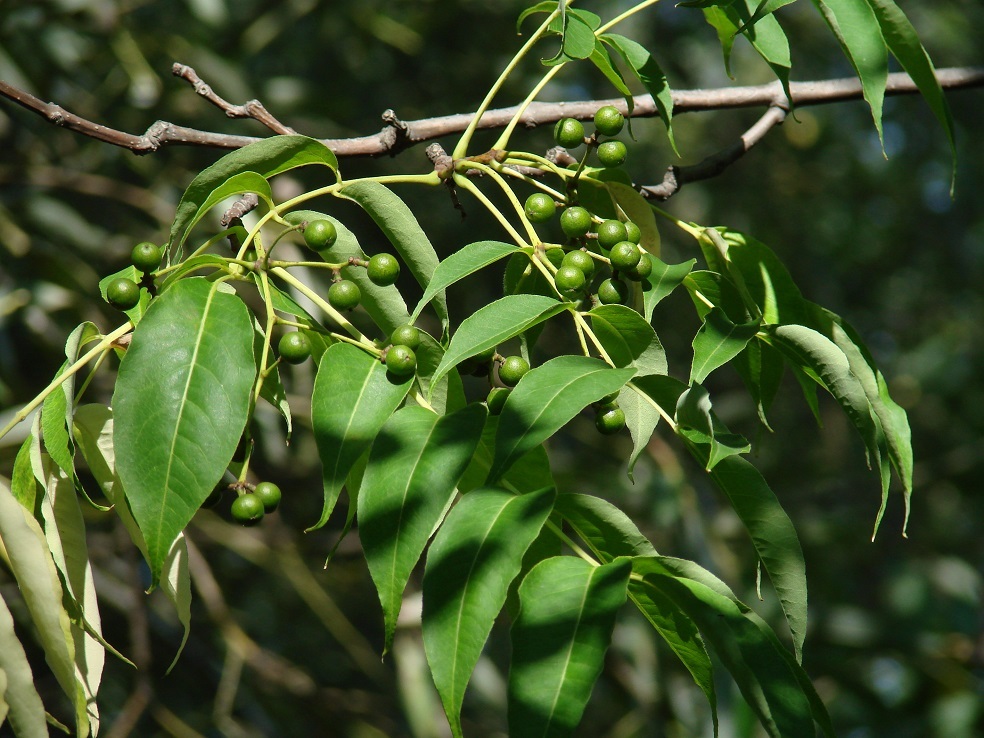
<point x="397" y="135"/>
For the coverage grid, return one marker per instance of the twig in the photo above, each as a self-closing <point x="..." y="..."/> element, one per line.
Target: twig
<point x="398" y="135"/>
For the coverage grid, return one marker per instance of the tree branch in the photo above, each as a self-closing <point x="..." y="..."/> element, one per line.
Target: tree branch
<point x="398" y="135"/>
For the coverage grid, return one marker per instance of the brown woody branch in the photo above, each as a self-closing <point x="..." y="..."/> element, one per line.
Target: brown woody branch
<point x="398" y="135"/>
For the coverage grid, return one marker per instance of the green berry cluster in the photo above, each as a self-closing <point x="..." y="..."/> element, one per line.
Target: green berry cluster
<point x="250" y="506"/>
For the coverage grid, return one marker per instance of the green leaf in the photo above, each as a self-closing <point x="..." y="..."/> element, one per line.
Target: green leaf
<point x="23" y="485"/>
<point x="697" y="423"/>
<point x="603" y="61"/>
<point x="189" y="266"/>
<point x="472" y="561"/>
<point x="607" y="531"/>
<point x="272" y="389"/>
<point x="859" y="33"/>
<point x="414" y="464"/>
<point x="761" y="368"/>
<point x="398" y="223"/>
<point x="663" y="279"/>
<point x="635" y="207"/>
<point x="578" y="38"/>
<point x="459" y="265"/>
<point x="566" y="616"/>
<point x="353" y="396"/>
<point x="629" y="339"/>
<point x="547" y="6"/>
<point x="136" y="312"/>
<point x="905" y="46"/>
<point x="281" y="301"/>
<point x="717" y="342"/>
<point x="641" y="418"/>
<point x="266" y="158"/>
<point x="234" y="186"/>
<point x="495" y="323"/>
<point x="727" y="28"/>
<point x="448" y="394"/>
<point x="765" y="7"/>
<point x="181" y="404"/>
<point x="17" y="693"/>
<point x="546" y="398"/>
<point x="650" y="74"/>
<point x="766" y="37"/>
<point x="530" y="473"/>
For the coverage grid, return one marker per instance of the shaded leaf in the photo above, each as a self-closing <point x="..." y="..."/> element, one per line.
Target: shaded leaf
<point x="608" y="531"/>
<point x="717" y="342"/>
<point x="663" y="279"/>
<point x="650" y="74"/>
<point x="697" y="423"/>
<point x="639" y="211"/>
<point x="23" y="705"/>
<point x="628" y="339"/>
<point x="530" y="473"/>
<point x="641" y="418"/>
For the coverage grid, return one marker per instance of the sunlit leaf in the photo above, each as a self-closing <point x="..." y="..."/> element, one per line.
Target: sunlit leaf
<point x="629" y="339"/>
<point x="717" y="342"/>
<point x="649" y="73"/>
<point x="607" y="531"/>
<point x="24" y="709"/>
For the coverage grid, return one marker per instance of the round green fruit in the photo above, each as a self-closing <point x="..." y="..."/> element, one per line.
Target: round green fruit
<point x="512" y="370"/>
<point x="569" y="133"/>
<point x="540" y="207"/>
<point x="633" y="233"/>
<point x="247" y="509"/>
<point x="269" y="494"/>
<point x="569" y="279"/>
<point x="294" y="347"/>
<point x="401" y="361"/>
<point x="405" y="335"/>
<point x="320" y="234"/>
<point x="146" y="256"/>
<point x="580" y="260"/>
<point x="383" y="270"/>
<point x="575" y="222"/>
<point x="624" y="256"/>
<point x="612" y="154"/>
<point x="641" y="270"/>
<point x="608" y="399"/>
<point x="609" y="121"/>
<point x="610" y="419"/>
<point x="123" y="293"/>
<point x="611" y="232"/>
<point x="496" y="399"/>
<point x="344" y="295"/>
<point x="613" y="292"/>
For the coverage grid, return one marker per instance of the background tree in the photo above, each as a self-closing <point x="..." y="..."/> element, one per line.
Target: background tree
<point x="898" y="657"/>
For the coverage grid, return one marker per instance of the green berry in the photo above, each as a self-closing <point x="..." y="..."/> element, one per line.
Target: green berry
<point x="609" y="121"/>
<point x="294" y="347"/>
<point x="540" y="207"/>
<point x="569" y="133"/>
<point x="146" y="256"/>
<point x="401" y="361"/>
<point x="634" y="234"/>
<point x="123" y="293"/>
<point x="575" y="222"/>
<point x="612" y="154"/>
<point x="641" y="270"/>
<point x="496" y="399"/>
<point x="581" y="260"/>
<point x="611" y="232"/>
<point x="512" y="370"/>
<point x="610" y="419"/>
<point x="320" y="234"/>
<point x="247" y="509"/>
<point x="485" y="356"/>
<point x="554" y="255"/>
<point x="405" y="335"/>
<point x="609" y="399"/>
<point x="383" y="269"/>
<point x="344" y="295"/>
<point x="569" y="279"/>
<point x="269" y="494"/>
<point x="613" y="292"/>
<point x="624" y="256"/>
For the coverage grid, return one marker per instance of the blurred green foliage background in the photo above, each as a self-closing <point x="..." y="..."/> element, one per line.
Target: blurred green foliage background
<point x="280" y="646"/>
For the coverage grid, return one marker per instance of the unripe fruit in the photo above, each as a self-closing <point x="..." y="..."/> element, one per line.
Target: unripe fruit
<point x="401" y="361"/>
<point x="512" y="370"/>
<point x="247" y="509"/>
<point x="496" y="399"/>
<point x="611" y="232"/>
<point x="575" y="222"/>
<point x="294" y="347"/>
<point x="146" y="256"/>
<point x="269" y="494"/>
<point x="641" y="270"/>
<point x="320" y="234"/>
<point x="633" y="233"/>
<point x="405" y="335"/>
<point x="383" y="270"/>
<point x="581" y="260"/>
<point x="609" y="399"/>
<point x="569" y="279"/>
<point x="613" y="292"/>
<point x="539" y="207"/>
<point x="569" y="133"/>
<point x="609" y="121"/>
<point x="624" y="256"/>
<point x="344" y="295"/>
<point x="610" y="419"/>
<point x="123" y="293"/>
<point x="612" y="154"/>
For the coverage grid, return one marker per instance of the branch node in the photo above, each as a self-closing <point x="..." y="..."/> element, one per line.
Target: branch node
<point x="443" y="163"/>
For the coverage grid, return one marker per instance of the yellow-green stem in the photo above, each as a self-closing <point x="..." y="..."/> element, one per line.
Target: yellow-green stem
<point x="503" y="141"/>
<point x="323" y="304"/>
<point x="466" y="184"/>
<point x="513" y="200"/>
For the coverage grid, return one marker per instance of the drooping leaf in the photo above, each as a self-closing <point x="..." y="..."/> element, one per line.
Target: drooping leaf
<point x="23" y="485"/>
<point x="576" y="28"/>
<point x="559" y="639"/>
<point x="473" y="559"/>
<point x="727" y="29"/>
<point x="180" y="407"/>
<point x="546" y="398"/>
<point x="467" y="260"/>
<point x="546" y="6"/>
<point x="628" y="339"/>
<point x="602" y="59"/>
<point x="528" y="474"/>
<point x="234" y="186"/>
<point x="663" y="279"/>
<point x="717" y="342"/>
<point x="697" y="423"/>
<point x="353" y="396"/>
<point x="641" y="418"/>
<point x="766" y="37"/>
<point x="640" y="212"/>
<point x="400" y="226"/>
<point x="761" y="367"/>
<point x="495" y="323"/>
<point x="24" y="708"/>
<point x="414" y="465"/>
<point x="608" y="531"/>
<point x="765" y="7"/>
